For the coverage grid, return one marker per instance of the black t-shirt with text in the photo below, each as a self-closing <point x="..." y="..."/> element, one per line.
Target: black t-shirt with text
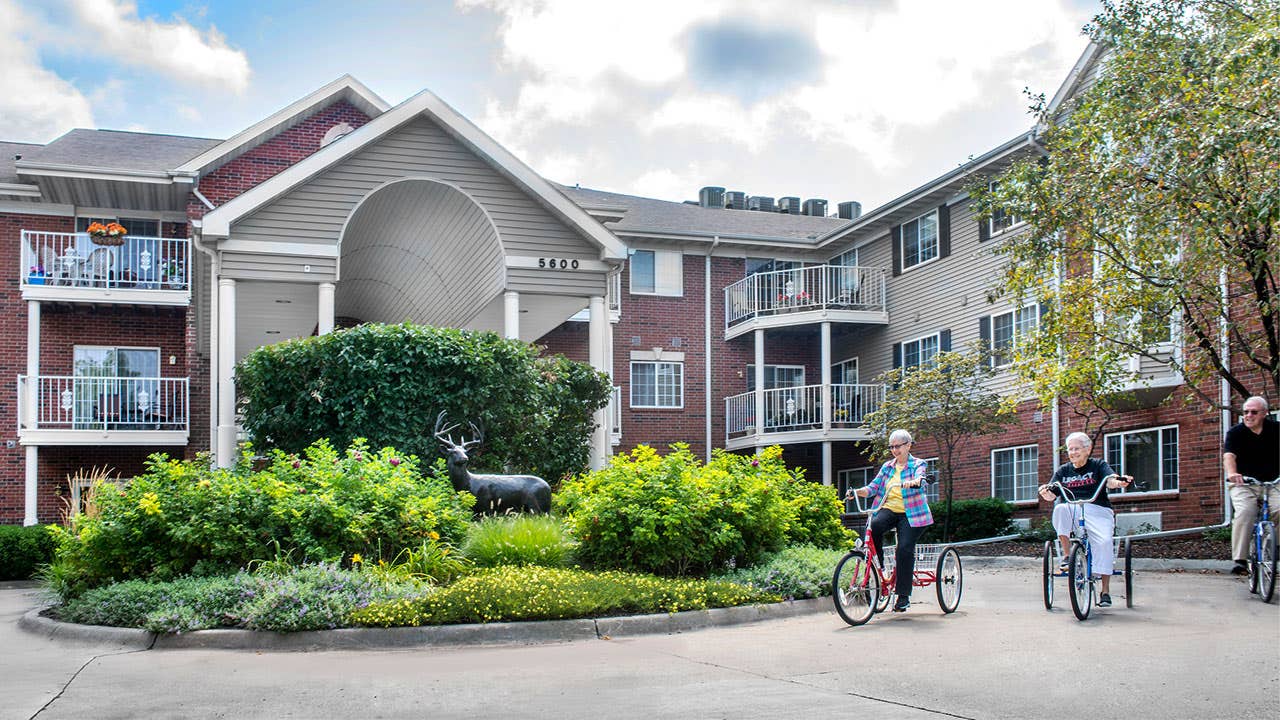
<point x="1083" y="481"/>
<point x="1257" y="455"/>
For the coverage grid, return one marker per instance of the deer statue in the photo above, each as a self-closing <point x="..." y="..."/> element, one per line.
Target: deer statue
<point x="494" y="493"/>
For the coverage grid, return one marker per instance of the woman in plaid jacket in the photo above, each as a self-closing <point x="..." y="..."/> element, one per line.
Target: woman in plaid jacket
<point x="899" y="502"/>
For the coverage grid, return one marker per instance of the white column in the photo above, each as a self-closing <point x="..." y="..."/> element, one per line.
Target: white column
<point x="599" y="318"/>
<point x="29" y="516"/>
<point x="759" y="388"/>
<point x="511" y="315"/>
<point x="324" y="322"/>
<point x="826" y="384"/>
<point x="31" y="400"/>
<point x="826" y="462"/>
<point x="226" y="455"/>
<point x="608" y="368"/>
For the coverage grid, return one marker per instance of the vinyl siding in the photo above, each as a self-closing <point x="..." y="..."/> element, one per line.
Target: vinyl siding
<point x="285" y="268"/>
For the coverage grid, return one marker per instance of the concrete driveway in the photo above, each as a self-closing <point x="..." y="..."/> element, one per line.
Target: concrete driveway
<point x="1196" y="646"/>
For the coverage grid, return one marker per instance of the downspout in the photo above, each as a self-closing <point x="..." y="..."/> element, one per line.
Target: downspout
<point x="706" y="353"/>
<point x="215" y="265"/>
<point x="1056" y="413"/>
<point x="1224" y="416"/>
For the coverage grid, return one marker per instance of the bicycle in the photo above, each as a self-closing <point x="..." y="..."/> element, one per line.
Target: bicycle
<point x="860" y="587"/>
<point x="1081" y="584"/>
<point x="1262" y="551"/>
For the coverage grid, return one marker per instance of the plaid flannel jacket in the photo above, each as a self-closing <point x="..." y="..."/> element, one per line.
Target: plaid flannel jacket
<point x="913" y="499"/>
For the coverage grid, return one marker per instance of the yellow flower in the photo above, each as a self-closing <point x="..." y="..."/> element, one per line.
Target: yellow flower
<point x="433" y="535"/>
<point x="356" y="559"/>
<point x="149" y="503"/>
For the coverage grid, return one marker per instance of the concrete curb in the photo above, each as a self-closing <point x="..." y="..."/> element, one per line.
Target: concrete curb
<point x="519" y="633"/>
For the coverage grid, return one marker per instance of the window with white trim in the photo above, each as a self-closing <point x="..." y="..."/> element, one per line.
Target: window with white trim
<point x="113" y="381"/>
<point x="1009" y="330"/>
<point x="920" y="352"/>
<point x="1014" y="473"/>
<point x="657" y="384"/>
<point x="935" y="482"/>
<point x="848" y="258"/>
<point x="853" y="478"/>
<point x="777" y="376"/>
<point x="920" y="240"/>
<point x="1149" y="455"/>
<point x="1001" y="219"/>
<point x="845" y="372"/>
<point x="656" y="272"/>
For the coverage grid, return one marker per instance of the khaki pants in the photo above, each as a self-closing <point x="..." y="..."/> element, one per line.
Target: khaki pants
<point x="1244" y="500"/>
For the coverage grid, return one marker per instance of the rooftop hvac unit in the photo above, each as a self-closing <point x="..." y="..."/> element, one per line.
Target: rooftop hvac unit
<point x="851" y="210"/>
<point x="735" y="200"/>
<point x="816" y="207"/>
<point x="711" y="197"/>
<point x="763" y="203"/>
<point x="789" y="205"/>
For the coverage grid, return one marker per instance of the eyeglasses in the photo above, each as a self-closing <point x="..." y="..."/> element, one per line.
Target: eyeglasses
<point x="899" y="445"/>
<point x="1246" y="412"/>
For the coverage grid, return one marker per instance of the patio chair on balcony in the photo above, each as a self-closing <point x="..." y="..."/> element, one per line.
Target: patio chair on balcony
<point x="98" y="266"/>
<point x="107" y="410"/>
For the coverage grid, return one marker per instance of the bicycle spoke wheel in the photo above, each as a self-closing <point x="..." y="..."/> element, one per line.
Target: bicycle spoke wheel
<point x="854" y="588"/>
<point x="1252" y="561"/>
<point x="1079" y="584"/>
<point x="1128" y="573"/>
<point x="1050" y="567"/>
<point x="949" y="581"/>
<point x="1267" y="564"/>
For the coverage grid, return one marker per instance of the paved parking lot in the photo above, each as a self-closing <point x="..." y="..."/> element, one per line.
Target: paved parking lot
<point x="1196" y="646"/>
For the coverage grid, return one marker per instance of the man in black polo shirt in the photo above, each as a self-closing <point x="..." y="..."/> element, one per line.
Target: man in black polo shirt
<point x="1251" y="448"/>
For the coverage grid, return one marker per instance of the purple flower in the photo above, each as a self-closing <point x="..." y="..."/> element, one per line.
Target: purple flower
<point x="755" y="463"/>
<point x="395" y="462"/>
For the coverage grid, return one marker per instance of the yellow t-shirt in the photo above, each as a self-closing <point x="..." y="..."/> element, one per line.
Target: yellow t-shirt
<point x="893" y="493"/>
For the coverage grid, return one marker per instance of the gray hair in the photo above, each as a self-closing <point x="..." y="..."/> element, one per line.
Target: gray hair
<point x="1259" y="399"/>
<point x="900" y="436"/>
<point x="1088" y="441"/>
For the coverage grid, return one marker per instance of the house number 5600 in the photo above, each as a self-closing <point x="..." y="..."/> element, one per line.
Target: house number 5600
<point x="557" y="264"/>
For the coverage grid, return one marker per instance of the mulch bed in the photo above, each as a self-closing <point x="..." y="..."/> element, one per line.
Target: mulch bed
<point x="1184" y="547"/>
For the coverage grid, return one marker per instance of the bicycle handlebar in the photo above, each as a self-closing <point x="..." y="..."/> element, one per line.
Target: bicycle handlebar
<point x="1251" y="480"/>
<point x="1067" y="496"/>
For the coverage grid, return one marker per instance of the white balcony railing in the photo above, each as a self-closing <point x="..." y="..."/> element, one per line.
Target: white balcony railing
<point x="840" y="287"/>
<point x="104" y="403"/>
<point x="75" y="260"/>
<point x="800" y="408"/>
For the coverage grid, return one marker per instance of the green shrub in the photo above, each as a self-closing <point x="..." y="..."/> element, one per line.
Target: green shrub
<point x="387" y="383"/>
<point x="431" y="562"/>
<point x="536" y="593"/>
<point x="671" y="515"/>
<point x="970" y="519"/>
<point x="794" y="573"/>
<point x="24" y="549"/>
<point x="518" y="540"/>
<point x="313" y="597"/>
<point x="1222" y="534"/>
<point x="1039" y="531"/>
<point x="816" y="510"/>
<point x="183" y="517"/>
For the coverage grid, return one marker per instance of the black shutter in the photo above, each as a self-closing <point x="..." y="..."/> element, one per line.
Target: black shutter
<point x="944" y="230"/>
<point x="895" y="239"/>
<point x="944" y="341"/>
<point x="984" y="332"/>
<point x="984" y="229"/>
<point x="897" y="355"/>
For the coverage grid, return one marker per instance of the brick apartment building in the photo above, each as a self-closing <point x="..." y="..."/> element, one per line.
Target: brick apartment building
<point x="722" y="326"/>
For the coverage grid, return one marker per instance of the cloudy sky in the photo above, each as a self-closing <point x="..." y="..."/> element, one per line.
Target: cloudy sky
<point x="843" y="100"/>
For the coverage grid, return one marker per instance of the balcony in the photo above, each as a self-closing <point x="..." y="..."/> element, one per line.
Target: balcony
<point x="71" y="267"/>
<point x="794" y="415"/>
<point x="65" y="410"/>
<point x="822" y="293"/>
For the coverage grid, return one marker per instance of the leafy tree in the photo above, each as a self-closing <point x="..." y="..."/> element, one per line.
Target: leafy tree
<point x="388" y="383"/>
<point x="948" y="402"/>
<point x="1154" y="215"/>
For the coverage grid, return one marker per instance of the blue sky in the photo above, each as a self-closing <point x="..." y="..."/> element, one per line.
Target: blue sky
<point x="844" y="100"/>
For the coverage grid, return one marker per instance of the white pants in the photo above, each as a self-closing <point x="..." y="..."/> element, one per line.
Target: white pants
<point x="1099" y="522"/>
<point x="1244" y="498"/>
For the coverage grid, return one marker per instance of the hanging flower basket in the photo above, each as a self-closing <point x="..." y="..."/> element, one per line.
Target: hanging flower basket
<point x="109" y="234"/>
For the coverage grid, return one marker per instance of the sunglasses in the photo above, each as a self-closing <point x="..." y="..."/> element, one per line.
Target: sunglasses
<point x="1246" y="412"/>
<point x="899" y="445"/>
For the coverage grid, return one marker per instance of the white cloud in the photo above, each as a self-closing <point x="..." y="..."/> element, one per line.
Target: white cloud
<point x="174" y="48"/>
<point x="35" y="104"/>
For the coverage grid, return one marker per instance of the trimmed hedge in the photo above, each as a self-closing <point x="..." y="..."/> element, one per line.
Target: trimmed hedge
<point x="388" y="384"/>
<point x="24" y="549"/>
<point x="970" y="519"/>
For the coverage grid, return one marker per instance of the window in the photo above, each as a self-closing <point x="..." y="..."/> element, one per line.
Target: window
<point x="845" y="373"/>
<point x="1009" y="330"/>
<point x="657" y="385"/>
<point x="920" y="352"/>
<point x="777" y="376"/>
<point x="1014" y="472"/>
<point x="113" y="384"/>
<point x="1150" y="456"/>
<point x="657" y="272"/>
<point x="848" y="258"/>
<point x="140" y="227"/>
<point x="757" y="266"/>
<point x="931" y="469"/>
<point x="855" y="478"/>
<point x="1001" y="219"/>
<point x="920" y="240"/>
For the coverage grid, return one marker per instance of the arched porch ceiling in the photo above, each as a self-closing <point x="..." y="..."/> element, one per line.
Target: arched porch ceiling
<point x="419" y="250"/>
